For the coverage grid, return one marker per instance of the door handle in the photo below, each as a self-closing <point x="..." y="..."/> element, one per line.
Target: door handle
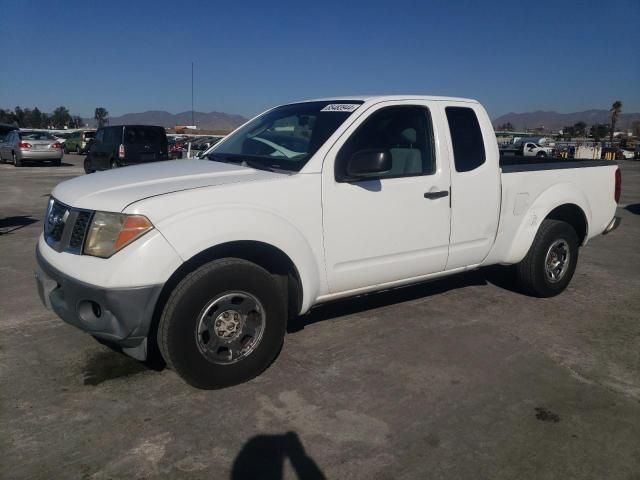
<point x="435" y="195"/>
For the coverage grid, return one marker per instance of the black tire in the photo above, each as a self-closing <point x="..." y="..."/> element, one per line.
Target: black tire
<point x="17" y="162"/>
<point x="87" y="168"/>
<point x="113" y="164"/>
<point x="65" y="149"/>
<point x="57" y="162"/>
<point x="541" y="154"/>
<point x="177" y="329"/>
<point x="532" y="273"/>
<point x="78" y="150"/>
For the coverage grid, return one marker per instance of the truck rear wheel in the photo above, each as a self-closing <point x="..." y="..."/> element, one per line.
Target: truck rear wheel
<point x="223" y="324"/>
<point x="551" y="261"/>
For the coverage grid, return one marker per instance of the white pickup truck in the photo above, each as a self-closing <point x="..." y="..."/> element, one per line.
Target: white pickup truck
<point x="208" y="259"/>
<point x="530" y="149"/>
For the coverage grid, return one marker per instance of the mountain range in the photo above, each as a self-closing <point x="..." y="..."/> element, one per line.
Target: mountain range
<point x="208" y="121"/>
<point x="556" y="121"/>
<point x="550" y="120"/>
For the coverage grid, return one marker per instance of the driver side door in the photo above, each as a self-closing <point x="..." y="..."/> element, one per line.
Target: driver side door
<point x="394" y="227"/>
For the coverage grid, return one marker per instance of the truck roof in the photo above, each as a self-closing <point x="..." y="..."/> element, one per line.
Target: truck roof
<point x="382" y="98"/>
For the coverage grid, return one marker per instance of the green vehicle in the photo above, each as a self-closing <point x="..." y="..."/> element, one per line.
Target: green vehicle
<point x="78" y="142"/>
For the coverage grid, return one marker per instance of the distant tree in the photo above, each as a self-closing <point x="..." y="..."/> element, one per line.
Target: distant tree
<point x="599" y="131"/>
<point x="616" y="110"/>
<point x="35" y="118"/>
<point x="506" y="127"/>
<point x="60" y="117"/>
<point x="77" y="121"/>
<point x="568" y="132"/>
<point x="580" y="129"/>
<point x="101" y="116"/>
<point x="19" y="117"/>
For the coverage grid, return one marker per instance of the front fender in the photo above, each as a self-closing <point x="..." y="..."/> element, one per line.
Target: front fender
<point x="548" y="200"/>
<point x="193" y="232"/>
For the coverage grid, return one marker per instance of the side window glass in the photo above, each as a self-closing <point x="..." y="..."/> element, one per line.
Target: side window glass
<point x="133" y="135"/>
<point x="112" y="136"/>
<point x="405" y="132"/>
<point x="466" y="137"/>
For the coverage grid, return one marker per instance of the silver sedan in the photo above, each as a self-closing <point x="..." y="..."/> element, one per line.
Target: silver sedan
<point x="30" y="145"/>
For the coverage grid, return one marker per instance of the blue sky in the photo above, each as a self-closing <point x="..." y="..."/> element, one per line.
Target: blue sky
<point x="136" y="55"/>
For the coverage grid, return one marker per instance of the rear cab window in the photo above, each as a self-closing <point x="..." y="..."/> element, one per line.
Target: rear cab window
<point x="466" y="138"/>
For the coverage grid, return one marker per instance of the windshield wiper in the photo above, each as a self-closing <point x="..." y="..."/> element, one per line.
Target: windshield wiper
<point x="246" y="162"/>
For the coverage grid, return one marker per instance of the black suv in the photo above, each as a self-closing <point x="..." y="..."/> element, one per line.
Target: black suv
<point x="122" y="145"/>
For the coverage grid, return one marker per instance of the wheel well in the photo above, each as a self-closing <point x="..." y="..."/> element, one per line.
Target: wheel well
<point x="574" y="216"/>
<point x="263" y="254"/>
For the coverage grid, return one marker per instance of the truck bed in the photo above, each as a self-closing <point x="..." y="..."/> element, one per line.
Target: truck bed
<point x="518" y="163"/>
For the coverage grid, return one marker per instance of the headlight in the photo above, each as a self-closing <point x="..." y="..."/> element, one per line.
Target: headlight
<point x="109" y="232"/>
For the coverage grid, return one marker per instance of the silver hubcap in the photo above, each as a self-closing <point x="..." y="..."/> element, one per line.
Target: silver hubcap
<point x="230" y="327"/>
<point x="557" y="260"/>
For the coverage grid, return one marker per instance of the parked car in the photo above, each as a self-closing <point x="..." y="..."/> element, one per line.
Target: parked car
<point x="176" y="147"/>
<point x="30" y="145"/>
<point x="5" y="129"/>
<point x="530" y="149"/>
<point x="307" y="203"/>
<point x="122" y="145"/>
<point x="627" y="154"/>
<point x="78" y="141"/>
<point x="62" y="136"/>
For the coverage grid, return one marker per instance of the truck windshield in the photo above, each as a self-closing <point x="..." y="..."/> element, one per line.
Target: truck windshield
<point x="286" y="137"/>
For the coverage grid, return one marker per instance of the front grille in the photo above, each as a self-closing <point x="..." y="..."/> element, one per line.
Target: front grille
<point x="79" y="230"/>
<point x="65" y="227"/>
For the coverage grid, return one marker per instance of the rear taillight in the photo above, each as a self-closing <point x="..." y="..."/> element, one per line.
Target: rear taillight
<point x="618" y="189"/>
<point x="121" y="151"/>
<point x="24" y="145"/>
<point x="56" y="145"/>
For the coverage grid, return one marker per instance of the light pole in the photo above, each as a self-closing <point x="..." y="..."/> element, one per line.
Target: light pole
<point x="192" y="94"/>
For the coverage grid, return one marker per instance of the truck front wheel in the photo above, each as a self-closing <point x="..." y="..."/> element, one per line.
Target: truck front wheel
<point x="223" y="324"/>
<point x="551" y="261"/>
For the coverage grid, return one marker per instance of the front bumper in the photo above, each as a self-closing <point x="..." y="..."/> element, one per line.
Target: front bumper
<point x="121" y="316"/>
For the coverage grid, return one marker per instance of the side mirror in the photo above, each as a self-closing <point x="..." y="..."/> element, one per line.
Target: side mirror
<point x="368" y="163"/>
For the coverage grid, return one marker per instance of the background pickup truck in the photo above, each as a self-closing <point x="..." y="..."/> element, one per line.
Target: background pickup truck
<point x="207" y="260"/>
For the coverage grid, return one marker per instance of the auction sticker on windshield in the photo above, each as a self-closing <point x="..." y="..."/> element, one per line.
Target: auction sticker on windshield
<point x="340" y="107"/>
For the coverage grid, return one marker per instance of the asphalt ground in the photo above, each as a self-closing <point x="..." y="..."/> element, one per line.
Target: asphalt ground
<point x="459" y="378"/>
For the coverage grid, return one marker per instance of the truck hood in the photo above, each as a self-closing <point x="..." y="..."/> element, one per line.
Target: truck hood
<point x="113" y="190"/>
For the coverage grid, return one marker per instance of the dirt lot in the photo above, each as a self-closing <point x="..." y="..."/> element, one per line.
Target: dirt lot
<point x="459" y="378"/>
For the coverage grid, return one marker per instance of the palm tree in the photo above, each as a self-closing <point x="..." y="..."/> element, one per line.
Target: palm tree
<point x="616" y="109"/>
<point x="102" y="116"/>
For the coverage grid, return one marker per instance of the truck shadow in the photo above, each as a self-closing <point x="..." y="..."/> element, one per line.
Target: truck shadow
<point x="633" y="208"/>
<point x="108" y="365"/>
<point x="112" y="364"/>
<point x="502" y="277"/>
